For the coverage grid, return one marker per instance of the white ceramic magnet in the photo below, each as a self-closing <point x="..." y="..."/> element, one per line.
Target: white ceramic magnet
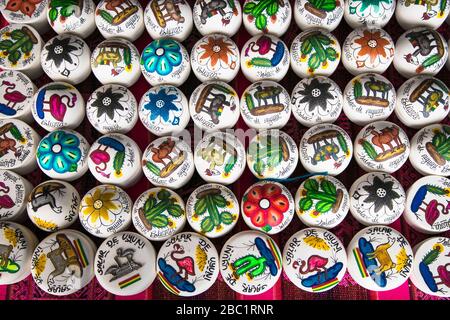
<point x="264" y="57"/>
<point x="250" y="262"/>
<point x="63" y="262"/>
<point x="420" y="51"/>
<point x="325" y="148"/>
<point x="32" y="13"/>
<point x="326" y="15"/>
<point x="377" y="198"/>
<point x="369" y="97"/>
<point x="14" y="192"/>
<point x="168" y="162"/>
<point x="314" y="260"/>
<point x="273" y="16"/>
<point x="112" y="108"/>
<point x="316" y="100"/>
<point x="411" y="14"/>
<point x="217" y="16"/>
<point x="360" y="13"/>
<point x="76" y="17"/>
<point x="315" y="52"/>
<point x="322" y="201"/>
<point x="272" y="154"/>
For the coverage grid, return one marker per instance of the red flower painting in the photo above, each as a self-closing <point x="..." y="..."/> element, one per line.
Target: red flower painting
<point x="27" y="7"/>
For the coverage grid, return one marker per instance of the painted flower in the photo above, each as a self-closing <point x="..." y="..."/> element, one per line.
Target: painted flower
<point x="216" y="51"/>
<point x="161" y="56"/>
<point x="375" y="8"/>
<point x="62" y="53"/>
<point x="27" y="7"/>
<point x="316" y="94"/>
<point x="265" y="205"/>
<point x="108" y="103"/>
<point x="59" y="151"/>
<point x="381" y="194"/>
<point x="161" y="104"/>
<point x="373" y="45"/>
<point x="101" y="207"/>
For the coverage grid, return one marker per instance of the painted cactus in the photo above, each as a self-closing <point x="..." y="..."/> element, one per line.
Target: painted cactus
<point x="439" y="147"/>
<point x="21" y="43"/>
<point x="327" y="196"/>
<point x="154" y="207"/>
<point x="265" y="155"/>
<point x="65" y="8"/>
<point x="258" y="10"/>
<point x="211" y="201"/>
<point x="316" y="47"/>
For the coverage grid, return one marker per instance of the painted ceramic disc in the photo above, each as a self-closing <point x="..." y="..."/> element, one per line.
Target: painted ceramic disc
<point x="379" y="258"/>
<point x="58" y="105"/>
<point x="314" y="260"/>
<point x="377" y="198"/>
<point x="168" y="162"/>
<point x="426" y="205"/>
<point x="267" y="17"/>
<point x="272" y="154"/>
<point x="212" y="210"/>
<point x="158" y="214"/>
<point x="316" y="100"/>
<point x="315" y="52"/>
<point x="63" y="263"/>
<point x="369" y="97"/>
<point x="322" y="201"/>
<point x="264" y="57"/>
<point x="79" y="19"/>
<point x="105" y="210"/>
<point x="381" y="146"/>
<point x="214" y="106"/>
<point x="32" y="13"/>
<point x="53" y="205"/>
<point x="411" y="14"/>
<point x="422" y="100"/>
<point x="112" y="108"/>
<point x="250" y="262"/>
<point x="430" y="268"/>
<point x="267" y="206"/>
<point x="14" y="191"/>
<point x="125" y="264"/>
<point x="18" y="244"/>
<point x="188" y="264"/>
<point x="265" y="105"/>
<point x="310" y="14"/>
<point x="360" y="13"/>
<point x="220" y="157"/>
<point x="211" y="16"/>
<point x="325" y="148"/>
<point x="409" y="61"/>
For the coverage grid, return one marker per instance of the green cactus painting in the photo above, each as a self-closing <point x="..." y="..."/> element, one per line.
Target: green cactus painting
<point x="439" y="147"/>
<point x="259" y="10"/>
<point x="267" y="156"/>
<point x="18" y="43"/>
<point x="317" y="47"/>
<point x="322" y="194"/>
<point x="152" y="213"/>
<point x="320" y="8"/>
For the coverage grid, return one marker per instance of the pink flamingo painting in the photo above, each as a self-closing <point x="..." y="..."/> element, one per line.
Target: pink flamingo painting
<point x="12" y="97"/>
<point x="5" y="200"/>
<point x="315" y="263"/>
<point x="57" y="104"/>
<point x="444" y="275"/>
<point x="185" y="263"/>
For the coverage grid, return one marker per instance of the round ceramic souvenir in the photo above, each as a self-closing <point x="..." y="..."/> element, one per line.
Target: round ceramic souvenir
<point x="420" y="51"/>
<point x="272" y="17"/>
<point x="325" y="148"/>
<point x="188" y="264"/>
<point x="368" y="50"/>
<point x="427" y="205"/>
<point x="360" y="13"/>
<point x="268" y="207"/>
<point x="214" y="105"/>
<point x="168" y="162"/>
<point x="112" y="108"/>
<point x="16" y="95"/>
<point x="63" y="262"/>
<point x="62" y="154"/>
<point x="316" y="100"/>
<point x="429" y="154"/>
<point x="19" y="143"/>
<point x="326" y="15"/>
<point x="165" y="61"/>
<point x="430" y="14"/>
<point x="322" y="201"/>
<point x="164" y="110"/>
<point x="377" y="198"/>
<point x="272" y="154"/>
<point x="315" y="52"/>
<point x="116" y="61"/>
<point x="32" y="13"/>
<point x="381" y="146"/>
<point x="14" y="192"/>
<point x="76" y="17"/>
<point x="369" y="97"/>
<point x="265" y="105"/>
<point x="217" y="16"/>
<point x="264" y="57"/>
<point x="125" y="264"/>
<point x="379" y="258"/>
<point x="17" y="244"/>
<point x="212" y="210"/>
<point x="250" y="262"/>
<point x="168" y="19"/>
<point x="314" y="260"/>
<point x="53" y="205"/>
<point x="158" y="214"/>
<point x="58" y="105"/>
<point x="431" y="266"/>
<point x="220" y="157"/>
<point x="124" y="19"/>
<point x="115" y="159"/>
<point x="64" y="57"/>
<point x="21" y="52"/>
<point x="422" y="100"/>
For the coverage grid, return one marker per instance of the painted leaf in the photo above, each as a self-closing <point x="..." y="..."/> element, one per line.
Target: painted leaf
<point x="306" y="47"/>
<point x="14" y="56"/>
<point x="26" y="47"/>
<point x="163" y="194"/>
<point x="323" y="206"/>
<point x="311" y="185"/>
<point x="261" y="22"/>
<point x="5" y="44"/>
<point x="226" y="217"/>
<point x="249" y="6"/>
<point x="175" y="210"/>
<point x="149" y="204"/>
<point x="331" y="54"/>
<point x="17" y="34"/>
<point x="323" y="39"/>
<point x="272" y="9"/>
<point x="159" y="221"/>
<point x="105" y="15"/>
<point x="357" y="89"/>
<point x="328" y="187"/>
<point x="53" y="14"/>
<point x="207" y="224"/>
<point x="219" y="200"/>
<point x="438" y="139"/>
<point x="200" y="206"/>
<point x="436" y="190"/>
<point x="314" y="61"/>
<point x="342" y="143"/>
<point x="305" y="203"/>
